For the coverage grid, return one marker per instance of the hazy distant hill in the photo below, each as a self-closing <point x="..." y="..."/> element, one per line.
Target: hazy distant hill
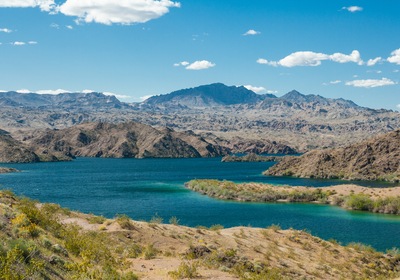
<point x="374" y="159"/>
<point x="92" y="100"/>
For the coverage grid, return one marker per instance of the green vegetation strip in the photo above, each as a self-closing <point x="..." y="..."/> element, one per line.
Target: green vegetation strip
<point x="255" y="192"/>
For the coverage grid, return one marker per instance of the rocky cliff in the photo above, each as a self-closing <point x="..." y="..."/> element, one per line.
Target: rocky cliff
<point x="124" y="140"/>
<point x="374" y="159"/>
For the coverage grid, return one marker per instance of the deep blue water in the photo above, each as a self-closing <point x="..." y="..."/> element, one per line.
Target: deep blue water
<point x="144" y="188"/>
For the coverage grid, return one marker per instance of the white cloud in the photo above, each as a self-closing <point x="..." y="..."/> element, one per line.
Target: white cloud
<point x="262" y="61"/>
<point x="88" y="91"/>
<point x="343" y="58"/>
<point x="396" y="71"/>
<point x="44" y="5"/>
<point x="272" y="91"/>
<point x="5" y="30"/>
<point x="55" y="25"/>
<point x="52" y="92"/>
<point x="121" y="12"/>
<point x="120" y="96"/>
<point x="335" y="82"/>
<point x="395" y="57"/>
<point x="353" y="9"/>
<point x="183" y="63"/>
<point x="32" y="43"/>
<point x="23" y="91"/>
<point x="200" y="65"/>
<point x="18" y="43"/>
<point x="374" y="61"/>
<point x="143" y="98"/>
<point x="256" y="89"/>
<point x="306" y="58"/>
<point x="251" y="32"/>
<point x="309" y="58"/>
<point x="398" y="106"/>
<point x="371" y="83"/>
<point x="69" y="27"/>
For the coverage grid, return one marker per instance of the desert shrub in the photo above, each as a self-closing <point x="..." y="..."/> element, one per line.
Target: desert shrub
<point x="216" y="227"/>
<point x="359" y="202"/>
<point x="274" y="227"/>
<point x="156" y="219"/>
<point x="185" y="271"/>
<point x="149" y="252"/>
<point x="174" y="221"/>
<point x="134" y="251"/>
<point x="96" y="220"/>
<point x="124" y="221"/>
<point x="361" y="247"/>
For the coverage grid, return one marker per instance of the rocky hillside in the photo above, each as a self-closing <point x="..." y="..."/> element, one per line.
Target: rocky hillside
<point x="374" y="159"/>
<point x="124" y="140"/>
<point x="45" y="241"/>
<point x="13" y="151"/>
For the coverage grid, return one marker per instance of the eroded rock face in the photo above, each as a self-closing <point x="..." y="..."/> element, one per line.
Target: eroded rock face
<point x="124" y="140"/>
<point x="374" y="159"/>
<point x="13" y="151"/>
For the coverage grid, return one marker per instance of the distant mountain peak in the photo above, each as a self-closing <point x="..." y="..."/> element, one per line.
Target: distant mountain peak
<point x="216" y="94"/>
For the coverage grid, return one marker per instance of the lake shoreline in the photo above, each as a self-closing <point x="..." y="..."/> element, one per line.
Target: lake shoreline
<point x="350" y="197"/>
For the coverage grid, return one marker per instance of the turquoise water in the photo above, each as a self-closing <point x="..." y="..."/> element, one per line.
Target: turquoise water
<point x="143" y="188"/>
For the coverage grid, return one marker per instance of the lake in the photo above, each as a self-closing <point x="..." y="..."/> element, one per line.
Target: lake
<point x="143" y="188"/>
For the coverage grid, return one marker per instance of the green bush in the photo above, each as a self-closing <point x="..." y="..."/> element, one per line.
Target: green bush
<point x="185" y="270"/>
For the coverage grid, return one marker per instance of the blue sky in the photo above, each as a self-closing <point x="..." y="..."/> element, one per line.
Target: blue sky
<point x="137" y="48"/>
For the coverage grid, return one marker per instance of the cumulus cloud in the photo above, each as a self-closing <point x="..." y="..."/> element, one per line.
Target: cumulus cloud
<point x="183" y="63"/>
<point x="353" y="9"/>
<point x="200" y="65"/>
<point x="107" y="12"/>
<point x="262" y="61"/>
<point x="251" y="32"/>
<point x="256" y="89"/>
<point x="121" y="12"/>
<point x="44" y="5"/>
<point x="5" y="30"/>
<point x="309" y="58"/>
<point x="343" y="58"/>
<point x="395" y="57"/>
<point x="18" y="43"/>
<point x="372" y="62"/>
<point x="371" y="83"/>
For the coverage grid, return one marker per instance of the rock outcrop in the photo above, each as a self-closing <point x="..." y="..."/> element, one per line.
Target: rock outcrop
<point x="374" y="159"/>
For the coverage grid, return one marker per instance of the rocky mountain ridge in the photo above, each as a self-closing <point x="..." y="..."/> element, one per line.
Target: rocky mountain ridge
<point x="303" y="122"/>
<point x="374" y="159"/>
<point x="123" y="140"/>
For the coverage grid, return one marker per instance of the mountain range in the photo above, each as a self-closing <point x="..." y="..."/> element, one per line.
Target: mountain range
<point x="216" y="111"/>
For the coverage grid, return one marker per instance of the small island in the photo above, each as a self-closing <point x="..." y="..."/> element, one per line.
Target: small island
<point x="4" y="170"/>
<point x="252" y="157"/>
<point x="352" y="197"/>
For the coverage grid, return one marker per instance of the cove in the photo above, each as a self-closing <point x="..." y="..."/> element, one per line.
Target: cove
<point x="144" y="188"/>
